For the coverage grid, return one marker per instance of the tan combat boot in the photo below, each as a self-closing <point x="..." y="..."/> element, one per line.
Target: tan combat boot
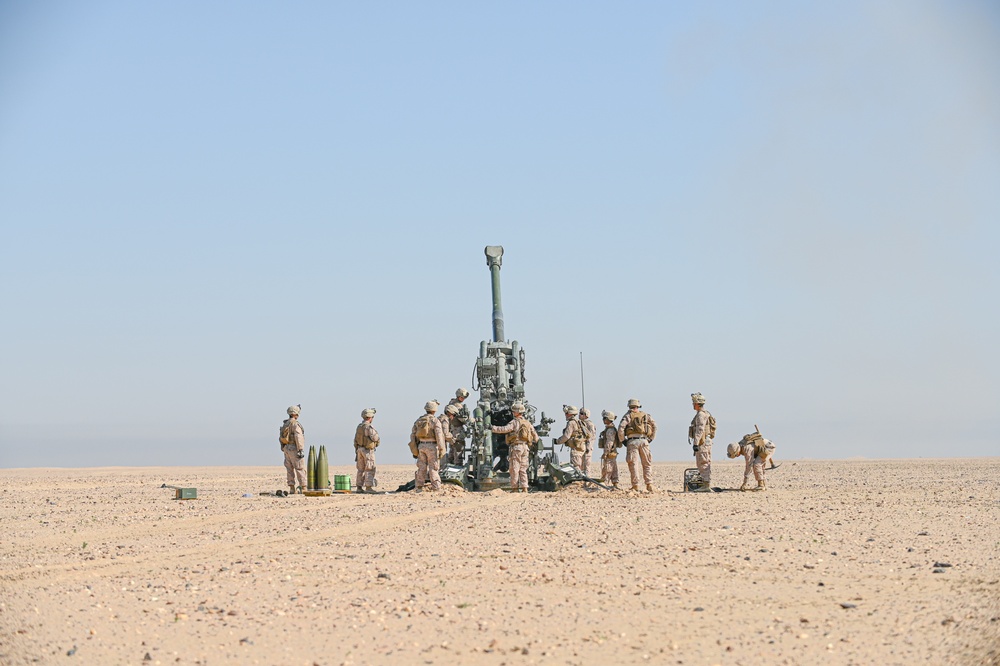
<point x="635" y="487"/>
<point x="368" y="489"/>
<point x="744" y="488"/>
<point x="291" y="490"/>
<point x="650" y="488"/>
<point x="761" y="485"/>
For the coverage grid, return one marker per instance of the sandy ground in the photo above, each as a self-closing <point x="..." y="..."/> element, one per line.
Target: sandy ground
<point x="102" y="566"/>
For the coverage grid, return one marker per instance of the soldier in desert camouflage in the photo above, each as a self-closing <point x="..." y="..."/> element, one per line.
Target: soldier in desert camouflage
<point x="588" y="451"/>
<point x="294" y="450"/>
<point x="520" y="435"/>
<point x="447" y="419"/>
<point x="457" y="454"/>
<point x="574" y="436"/>
<point x="366" y="440"/>
<point x="701" y="433"/>
<point x="757" y="450"/>
<point x="609" y="442"/>
<point x="427" y="445"/>
<point x="638" y="429"/>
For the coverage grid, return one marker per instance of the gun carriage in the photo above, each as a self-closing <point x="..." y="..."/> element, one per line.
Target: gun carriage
<point x="499" y="378"/>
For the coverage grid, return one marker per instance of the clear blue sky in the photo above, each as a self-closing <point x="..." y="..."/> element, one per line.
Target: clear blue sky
<point x="213" y="210"/>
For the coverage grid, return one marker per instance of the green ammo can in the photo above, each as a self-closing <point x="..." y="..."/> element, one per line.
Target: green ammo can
<point x="342" y="482"/>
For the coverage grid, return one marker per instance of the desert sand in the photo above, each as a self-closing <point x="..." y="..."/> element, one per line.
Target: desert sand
<point x="849" y="562"/>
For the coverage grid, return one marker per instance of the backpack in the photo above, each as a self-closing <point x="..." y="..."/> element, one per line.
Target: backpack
<point x="638" y="425"/>
<point x="425" y="427"/>
<point x="578" y="442"/>
<point x="285" y="433"/>
<point x="526" y="432"/>
<point x="709" y="428"/>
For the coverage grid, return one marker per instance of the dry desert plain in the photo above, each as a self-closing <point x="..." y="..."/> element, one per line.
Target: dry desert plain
<point x="849" y="562"/>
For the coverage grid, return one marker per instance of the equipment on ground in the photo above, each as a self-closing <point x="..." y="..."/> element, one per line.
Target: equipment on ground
<point x="183" y="493"/>
<point x="693" y="481"/>
<point x="317" y="473"/>
<point x="567" y="473"/>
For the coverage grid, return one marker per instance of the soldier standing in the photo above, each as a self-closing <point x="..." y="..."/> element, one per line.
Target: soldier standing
<point x="292" y="437"/>
<point x="574" y="436"/>
<point x="427" y="439"/>
<point x="638" y="429"/>
<point x="457" y="454"/>
<point x="591" y="430"/>
<point x="610" y="442"/>
<point x="446" y="420"/>
<point x="520" y="435"/>
<point x="757" y="451"/>
<point x="365" y="442"/>
<point x="701" y="432"/>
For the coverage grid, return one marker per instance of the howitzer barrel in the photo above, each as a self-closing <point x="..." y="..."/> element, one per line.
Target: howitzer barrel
<point x="494" y="258"/>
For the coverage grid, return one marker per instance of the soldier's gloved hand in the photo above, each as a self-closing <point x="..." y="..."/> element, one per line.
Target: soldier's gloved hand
<point x="696" y="448"/>
<point x="301" y="453"/>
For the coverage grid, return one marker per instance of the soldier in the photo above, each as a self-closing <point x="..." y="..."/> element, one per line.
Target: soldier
<point x="574" y="436"/>
<point x="638" y="429"/>
<point x="757" y="451"/>
<point x="365" y="442"/>
<point x="610" y="443"/>
<point x="427" y="441"/>
<point x="449" y="438"/>
<point x="701" y="433"/>
<point x="292" y="437"/>
<point x="591" y="429"/>
<point x="520" y="435"/>
<point x="458" y="434"/>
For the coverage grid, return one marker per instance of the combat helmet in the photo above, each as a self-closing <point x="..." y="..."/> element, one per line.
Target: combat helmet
<point x="462" y="393"/>
<point x="697" y="398"/>
<point x="733" y="450"/>
<point x="431" y="406"/>
<point x="610" y="416"/>
<point x="368" y="413"/>
<point x="294" y="409"/>
<point x="634" y="402"/>
<point x="451" y="409"/>
<point x="517" y="407"/>
<point x="570" y="409"/>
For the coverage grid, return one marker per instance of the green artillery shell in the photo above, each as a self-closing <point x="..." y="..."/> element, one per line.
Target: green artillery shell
<point x="311" y="469"/>
<point x="322" y="470"/>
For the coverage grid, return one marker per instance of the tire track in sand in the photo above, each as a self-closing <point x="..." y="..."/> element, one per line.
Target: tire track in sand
<point x="57" y="573"/>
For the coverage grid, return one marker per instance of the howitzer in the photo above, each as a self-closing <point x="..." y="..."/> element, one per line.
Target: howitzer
<point x="499" y="377"/>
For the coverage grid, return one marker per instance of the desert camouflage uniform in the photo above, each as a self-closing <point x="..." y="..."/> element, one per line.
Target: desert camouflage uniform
<point x="448" y="437"/>
<point x="755" y="463"/>
<point x="365" y="436"/>
<point x="699" y="435"/>
<point x="295" y="467"/>
<point x="638" y="449"/>
<point x="457" y="454"/>
<point x="569" y="438"/>
<point x="609" y="459"/>
<point x="518" y="455"/>
<point x="588" y="452"/>
<point x="429" y="454"/>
